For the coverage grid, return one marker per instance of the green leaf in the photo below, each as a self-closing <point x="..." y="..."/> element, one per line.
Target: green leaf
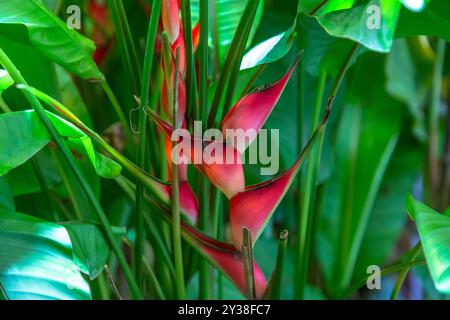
<point x="23" y="135"/>
<point x="367" y="135"/>
<point x="6" y="197"/>
<point x="434" y="232"/>
<point x="5" y="80"/>
<point x="52" y="36"/>
<point x="36" y="260"/>
<point x="91" y="250"/>
<point x="228" y="14"/>
<point x="372" y="24"/>
<point x="270" y="50"/>
<point x="403" y="83"/>
<point x="323" y="52"/>
<point x="433" y="21"/>
<point x="388" y="217"/>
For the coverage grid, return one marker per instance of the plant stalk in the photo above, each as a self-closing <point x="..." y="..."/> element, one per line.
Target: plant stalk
<point x="279" y="268"/>
<point x="247" y="257"/>
<point x="141" y="153"/>
<point x="306" y="202"/>
<point x="176" y="225"/>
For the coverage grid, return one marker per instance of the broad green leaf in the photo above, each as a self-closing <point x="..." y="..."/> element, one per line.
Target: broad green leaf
<point x="328" y="6"/>
<point x="434" y="232"/>
<point x="228" y="14"/>
<point x="5" y="80"/>
<point x="403" y="83"/>
<point x="36" y="260"/>
<point x="270" y="50"/>
<point x="52" y="36"/>
<point x="323" y="52"/>
<point x="91" y="251"/>
<point x="6" y="197"/>
<point x="372" y="24"/>
<point x="388" y="216"/>
<point x="23" y="135"/>
<point x="367" y="135"/>
<point x="434" y="20"/>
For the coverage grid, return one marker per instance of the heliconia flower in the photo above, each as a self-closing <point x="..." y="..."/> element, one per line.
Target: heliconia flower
<point x="226" y="174"/>
<point x="170" y="16"/>
<point x="196" y="36"/>
<point x="252" y="111"/>
<point x="254" y="207"/>
<point x="188" y="200"/>
<point x="228" y="259"/>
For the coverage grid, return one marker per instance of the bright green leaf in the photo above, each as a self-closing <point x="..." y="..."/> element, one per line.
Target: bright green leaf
<point x="52" y="36"/>
<point x="91" y="251"/>
<point x="36" y="260"/>
<point x="434" y="232"/>
<point x="23" y="135"/>
<point x="433" y="21"/>
<point x="372" y="24"/>
<point x="5" y="80"/>
<point x="228" y="15"/>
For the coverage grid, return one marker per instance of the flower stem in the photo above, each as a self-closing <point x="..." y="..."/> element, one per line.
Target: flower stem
<point x="247" y="257"/>
<point x="203" y="97"/>
<point x="306" y="202"/>
<point x="279" y="268"/>
<point x="402" y="276"/>
<point x="141" y="154"/>
<point x="126" y="43"/>
<point x="176" y="225"/>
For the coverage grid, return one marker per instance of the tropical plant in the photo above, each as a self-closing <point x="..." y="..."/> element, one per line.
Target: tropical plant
<point x="111" y="112"/>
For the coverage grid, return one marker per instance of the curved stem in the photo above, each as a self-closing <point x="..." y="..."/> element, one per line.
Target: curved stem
<point x="402" y="276"/>
<point x="389" y="270"/>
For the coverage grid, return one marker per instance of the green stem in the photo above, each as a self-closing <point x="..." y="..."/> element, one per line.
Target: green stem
<point x="203" y="54"/>
<point x="231" y="58"/>
<point x="141" y="154"/>
<point x="389" y="270"/>
<point x="203" y="98"/>
<point x="126" y="43"/>
<point x="40" y="111"/>
<point x="432" y="180"/>
<point x="402" y="276"/>
<point x="279" y="268"/>
<point x="237" y="61"/>
<point x="118" y="110"/>
<point x="176" y="225"/>
<point x="247" y="257"/>
<point x="203" y="224"/>
<point x="306" y="212"/>
<point x="190" y="85"/>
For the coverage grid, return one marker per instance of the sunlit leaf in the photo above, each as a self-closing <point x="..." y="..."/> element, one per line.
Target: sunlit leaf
<point x="30" y="136"/>
<point x="434" y="232"/>
<point x="52" y="36"/>
<point x="5" y="80"/>
<point x="36" y="260"/>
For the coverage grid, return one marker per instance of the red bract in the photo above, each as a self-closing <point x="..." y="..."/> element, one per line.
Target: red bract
<point x="252" y="111"/>
<point x="254" y="207"/>
<point x="188" y="200"/>
<point x="228" y="259"/>
<point x="196" y="36"/>
<point x="227" y="177"/>
<point x="171" y="19"/>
